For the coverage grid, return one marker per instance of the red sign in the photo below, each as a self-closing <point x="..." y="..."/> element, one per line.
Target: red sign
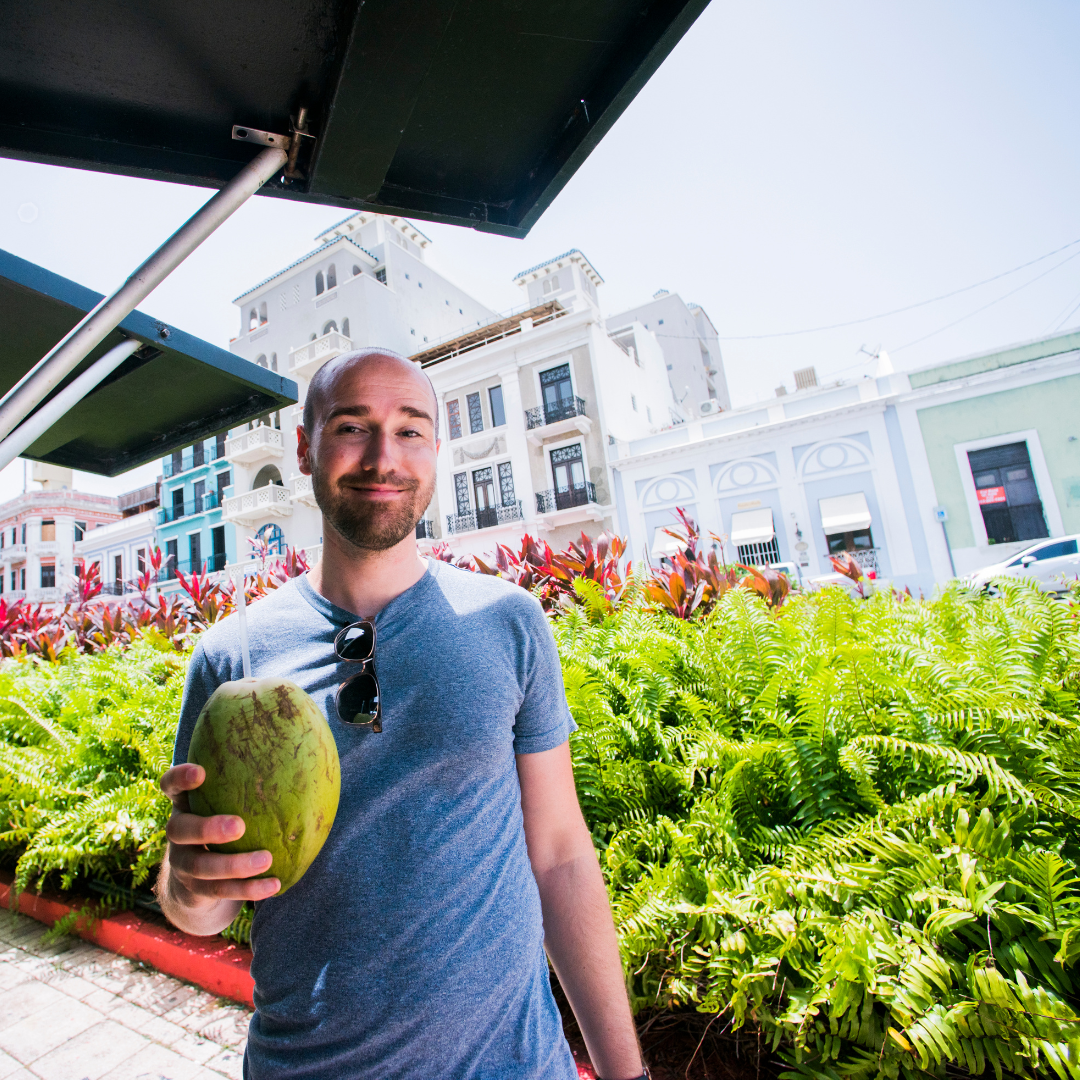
<point x="990" y="495"/>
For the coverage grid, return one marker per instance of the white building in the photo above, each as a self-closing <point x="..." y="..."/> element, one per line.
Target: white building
<point x="691" y="351"/>
<point x="121" y="549"/>
<point x="531" y="406"/>
<point x="366" y="284"/>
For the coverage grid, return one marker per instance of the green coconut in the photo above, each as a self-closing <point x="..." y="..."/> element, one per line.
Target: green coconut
<point x="270" y="758"/>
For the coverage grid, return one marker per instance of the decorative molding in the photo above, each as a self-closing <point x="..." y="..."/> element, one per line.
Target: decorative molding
<point x="477" y="451"/>
<point x="668" y="490"/>
<point x="745" y="475"/>
<point x="833" y="456"/>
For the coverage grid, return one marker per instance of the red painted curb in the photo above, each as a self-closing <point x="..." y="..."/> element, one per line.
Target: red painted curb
<point x="214" y="964"/>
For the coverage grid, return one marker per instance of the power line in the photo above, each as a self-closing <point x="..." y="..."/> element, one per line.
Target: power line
<point x="899" y="310"/>
<point x="1011" y="292"/>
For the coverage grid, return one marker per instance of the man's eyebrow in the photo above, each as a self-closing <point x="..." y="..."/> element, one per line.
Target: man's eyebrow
<point x="365" y="410"/>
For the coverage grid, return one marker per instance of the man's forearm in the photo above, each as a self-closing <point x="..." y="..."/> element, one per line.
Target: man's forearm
<point x="200" y="916"/>
<point x="580" y="939"/>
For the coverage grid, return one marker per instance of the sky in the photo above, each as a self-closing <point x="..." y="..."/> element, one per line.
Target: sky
<point x="792" y="165"/>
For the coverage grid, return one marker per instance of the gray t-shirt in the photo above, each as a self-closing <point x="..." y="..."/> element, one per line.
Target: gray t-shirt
<point x="412" y="949"/>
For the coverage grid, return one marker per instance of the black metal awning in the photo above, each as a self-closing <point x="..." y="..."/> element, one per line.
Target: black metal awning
<point x="475" y="112"/>
<point x="175" y="390"/>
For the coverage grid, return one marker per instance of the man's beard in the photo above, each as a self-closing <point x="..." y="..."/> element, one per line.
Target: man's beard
<point x="372" y="526"/>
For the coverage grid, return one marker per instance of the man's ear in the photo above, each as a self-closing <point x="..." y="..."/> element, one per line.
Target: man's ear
<point x="303" y="450"/>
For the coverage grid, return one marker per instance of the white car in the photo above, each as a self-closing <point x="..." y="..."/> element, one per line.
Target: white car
<point x="1053" y="564"/>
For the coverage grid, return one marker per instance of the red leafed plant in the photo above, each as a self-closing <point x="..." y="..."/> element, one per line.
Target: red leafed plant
<point x="845" y="564"/>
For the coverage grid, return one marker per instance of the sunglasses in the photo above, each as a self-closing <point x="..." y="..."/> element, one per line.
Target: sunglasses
<point x="357" y="697"/>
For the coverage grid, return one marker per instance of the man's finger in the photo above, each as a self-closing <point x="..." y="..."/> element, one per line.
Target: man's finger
<point x="194" y="829"/>
<point x="182" y="778"/>
<point x="234" y="889"/>
<point x="194" y="864"/>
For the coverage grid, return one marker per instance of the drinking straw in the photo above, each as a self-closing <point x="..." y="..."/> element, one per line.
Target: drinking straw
<point x="241" y="610"/>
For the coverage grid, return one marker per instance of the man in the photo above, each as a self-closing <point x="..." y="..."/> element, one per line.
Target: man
<point x="413" y="947"/>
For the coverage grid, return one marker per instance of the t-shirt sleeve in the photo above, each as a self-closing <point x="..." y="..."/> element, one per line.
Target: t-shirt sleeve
<point x="200" y="683"/>
<point x="543" y="720"/>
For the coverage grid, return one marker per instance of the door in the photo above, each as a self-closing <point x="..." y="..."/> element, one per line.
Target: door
<point x="558" y="394"/>
<point x="118" y="573"/>
<point x="198" y="493"/>
<point x="177" y="504"/>
<point x="195" y="552"/>
<point x="217" y="538"/>
<point x="568" y="471"/>
<point x="1008" y="496"/>
<point x="170" y="558"/>
<point x="484" y="498"/>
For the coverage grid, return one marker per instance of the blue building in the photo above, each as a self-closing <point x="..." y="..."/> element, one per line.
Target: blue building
<point x="190" y="531"/>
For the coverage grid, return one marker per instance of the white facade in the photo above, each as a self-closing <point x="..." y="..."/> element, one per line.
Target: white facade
<point x="367" y="284"/>
<point x="120" y="549"/>
<point x="529" y="414"/>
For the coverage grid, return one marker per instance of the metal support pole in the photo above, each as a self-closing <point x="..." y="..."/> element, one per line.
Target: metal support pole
<point x="52" y="369"/>
<point x="948" y="548"/>
<point x="32" y="429"/>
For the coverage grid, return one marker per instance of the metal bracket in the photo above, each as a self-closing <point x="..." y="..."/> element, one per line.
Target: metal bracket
<point x="263" y="138"/>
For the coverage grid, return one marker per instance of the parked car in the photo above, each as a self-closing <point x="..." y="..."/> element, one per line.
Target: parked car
<point x="791" y="571"/>
<point x="1053" y="564"/>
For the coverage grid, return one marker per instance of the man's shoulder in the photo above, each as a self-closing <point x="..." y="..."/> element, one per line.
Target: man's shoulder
<point x="467" y="590"/>
<point x="269" y="615"/>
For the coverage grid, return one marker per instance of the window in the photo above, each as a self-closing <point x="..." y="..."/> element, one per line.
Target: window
<point x="48" y="576"/>
<point x="661" y="322"/>
<point x="568" y="472"/>
<point x="761" y="554"/>
<point x="219" y="444"/>
<point x="195" y="551"/>
<point x="380" y="274"/>
<point x="22" y="579"/>
<point x="419" y="284"/>
<point x="217" y="542"/>
<point x="253" y="320"/>
<point x="320" y="284"/>
<point x="506" y="484"/>
<point x="461" y="492"/>
<point x="460" y="312"/>
<point x="23" y="532"/>
<point x="198" y="495"/>
<point x="476" y="413"/>
<point x="170" y="558"/>
<point x="412" y="331"/>
<point x="551" y="284"/>
<point x="223" y="481"/>
<point x="355" y="270"/>
<point x="633" y="401"/>
<point x="13" y="535"/>
<point x="406" y="277"/>
<point x="118" y="570"/>
<point x="1007" y="494"/>
<point x="557" y="392"/>
<point x="1" y="584"/>
<point x="495" y="399"/>
<point x="273" y="361"/>
<point x="140" y="560"/>
<point x="48" y="531"/>
<point x="3" y="536"/>
<point x="453" y="418"/>
<point x="261" y="360"/>
<point x="331" y="276"/>
<point x="648" y="413"/>
<point x="853" y="540"/>
<point x="484" y="498"/>
<point x="262" y="314"/>
<point x="1055" y="551"/>
<point x="177" y="503"/>
<point x="330" y="327"/>
<point x="345" y="327"/>
<point x="272" y="536"/>
<point x="177" y="462"/>
<point x="80" y="530"/>
<point x="14" y="580"/>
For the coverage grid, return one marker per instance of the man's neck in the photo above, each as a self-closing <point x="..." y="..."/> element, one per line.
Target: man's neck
<point x="363" y="581"/>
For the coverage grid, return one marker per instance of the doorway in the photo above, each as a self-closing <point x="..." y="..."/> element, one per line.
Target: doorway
<point x="558" y="392"/>
<point x="568" y="471"/>
<point x="487" y="514"/>
<point x="1008" y="496"/>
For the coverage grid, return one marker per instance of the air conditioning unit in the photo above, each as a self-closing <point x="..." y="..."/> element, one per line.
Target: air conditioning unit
<point x="706" y="408"/>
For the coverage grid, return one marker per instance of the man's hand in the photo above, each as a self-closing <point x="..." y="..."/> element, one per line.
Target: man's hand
<point x="201" y="891"/>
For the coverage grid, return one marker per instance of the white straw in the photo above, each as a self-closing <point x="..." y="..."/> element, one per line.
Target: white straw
<point x="241" y="610"/>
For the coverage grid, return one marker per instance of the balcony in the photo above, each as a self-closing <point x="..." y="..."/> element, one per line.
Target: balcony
<point x="271" y="501"/>
<point x="552" y="421"/>
<point x="306" y="360"/>
<point x="177" y="511"/>
<point x="483" y="519"/>
<point x="302" y="490"/>
<point x="866" y="558"/>
<point x="255" y="445"/>
<point x="192" y="459"/>
<point x="211" y="564"/>
<point x="425" y="530"/>
<point x="13" y="551"/>
<point x="574" y="504"/>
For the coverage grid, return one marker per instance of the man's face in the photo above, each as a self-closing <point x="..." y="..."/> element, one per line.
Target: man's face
<point x="371" y="456"/>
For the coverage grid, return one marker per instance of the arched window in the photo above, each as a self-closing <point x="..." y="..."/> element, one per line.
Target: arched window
<point x="262" y="314"/>
<point x="273" y="361"/>
<point x="312" y="338"/>
<point x="331" y="276"/>
<point x="274" y="539"/>
<point x="331" y="325"/>
<point x="261" y="360"/>
<point x="320" y="285"/>
<point x="253" y="319"/>
<point x="267" y="475"/>
<point x="345" y="327"/>
<point x="356" y="270"/>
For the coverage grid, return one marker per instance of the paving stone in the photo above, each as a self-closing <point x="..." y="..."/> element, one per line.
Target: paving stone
<point x="225" y="1024"/>
<point x="8" y="1065"/>
<point x="162" y="1031"/>
<point x="91" y="1054"/>
<point x="47" y="1029"/>
<point x="228" y="1063"/>
<point x="155" y="1063"/>
<point x="77" y="987"/>
<point x="28" y="998"/>
<point x="199" y="1050"/>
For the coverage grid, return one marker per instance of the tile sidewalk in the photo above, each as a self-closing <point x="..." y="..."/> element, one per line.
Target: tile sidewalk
<point x="72" y="1011"/>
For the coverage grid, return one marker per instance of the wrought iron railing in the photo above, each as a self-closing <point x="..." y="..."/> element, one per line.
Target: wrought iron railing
<point x="867" y="558"/>
<point x="552" y="414"/>
<point x="547" y="502"/>
<point x="212" y="564"/>
<point x="209" y="501"/>
<point x="191" y="460"/>
<point x="425" y="530"/>
<point x="483" y="519"/>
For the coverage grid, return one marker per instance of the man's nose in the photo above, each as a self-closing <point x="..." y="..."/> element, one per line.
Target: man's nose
<point x="377" y="452"/>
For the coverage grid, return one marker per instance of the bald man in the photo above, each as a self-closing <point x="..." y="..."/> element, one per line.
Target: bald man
<point x="414" y="946"/>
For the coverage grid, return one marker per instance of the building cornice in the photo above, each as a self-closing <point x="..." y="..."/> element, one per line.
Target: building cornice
<point x="61" y="501"/>
<point x="319" y="252"/>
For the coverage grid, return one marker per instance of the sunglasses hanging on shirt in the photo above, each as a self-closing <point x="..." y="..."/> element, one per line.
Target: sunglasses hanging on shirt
<point x="357" y="699"/>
